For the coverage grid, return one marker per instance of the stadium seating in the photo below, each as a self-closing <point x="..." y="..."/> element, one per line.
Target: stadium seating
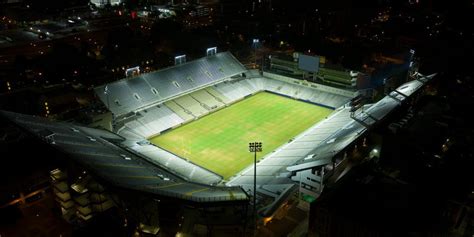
<point x="207" y="99"/>
<point x="185" y="115"/>
<point x="256" y="83"/>
<point x="156" y="119"/>
<point x="178" y="164"/>
<point x="153" y="121"/>
<point x="304" y="93"/>
<point x="247" y="86"/>
<point x="232" y="90"/>
<point x="218" y="95"/>
<point x="126" y="95"/>
<point x="126" y="168"/>
<point x="166" y="98"/>
<point x="190" y="104"/>
<point x="139" y="128"/>
<point x="273" y="85"/>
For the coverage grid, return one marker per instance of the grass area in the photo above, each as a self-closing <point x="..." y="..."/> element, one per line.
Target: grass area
<point x="219" y="141"/>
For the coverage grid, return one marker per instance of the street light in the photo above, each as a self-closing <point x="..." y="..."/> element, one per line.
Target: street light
<point x="255" y="147"/>
<point x="374" y="153"/>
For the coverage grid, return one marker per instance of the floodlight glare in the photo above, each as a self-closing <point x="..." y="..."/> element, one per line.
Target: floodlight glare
<point x="211" y="51"/>
<point x="132" y="71"/>
<point x="180" y="59"/>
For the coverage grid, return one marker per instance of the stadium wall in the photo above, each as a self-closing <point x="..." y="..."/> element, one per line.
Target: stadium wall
<point x="312" y="85"/>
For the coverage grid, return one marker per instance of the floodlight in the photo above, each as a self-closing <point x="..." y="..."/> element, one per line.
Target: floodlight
<point x="180" y="59"/>
<point x="211" y="51"/>
<point x="132" y="71"/>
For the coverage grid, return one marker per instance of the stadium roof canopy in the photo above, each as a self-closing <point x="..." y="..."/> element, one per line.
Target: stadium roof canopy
<point x="133" y="94"/>
<point x="371" y="115"/>
<point x="99" y="152"/>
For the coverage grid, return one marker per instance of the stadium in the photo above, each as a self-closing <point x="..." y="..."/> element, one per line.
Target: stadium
<point x="200" y="126"/>
<point x="181" y="136"/>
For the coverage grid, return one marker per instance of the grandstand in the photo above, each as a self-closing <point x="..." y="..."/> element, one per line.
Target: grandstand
<point x="133" y="94"/>
<point x="159" y="102"/>
<point x="187" y="107"/>
<point x="100" y="152"/>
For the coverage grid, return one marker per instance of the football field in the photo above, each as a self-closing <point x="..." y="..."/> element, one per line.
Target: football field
<point x="219" y="141"/>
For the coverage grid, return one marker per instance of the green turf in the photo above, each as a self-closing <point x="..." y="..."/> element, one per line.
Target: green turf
<point x="219" y="141"/>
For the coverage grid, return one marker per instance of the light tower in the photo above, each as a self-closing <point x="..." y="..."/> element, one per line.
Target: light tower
<point x="255" y="147"/>
<point x="255" y="44"/>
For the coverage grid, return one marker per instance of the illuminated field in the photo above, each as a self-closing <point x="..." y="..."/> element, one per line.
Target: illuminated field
<point x="219" y="141"/>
